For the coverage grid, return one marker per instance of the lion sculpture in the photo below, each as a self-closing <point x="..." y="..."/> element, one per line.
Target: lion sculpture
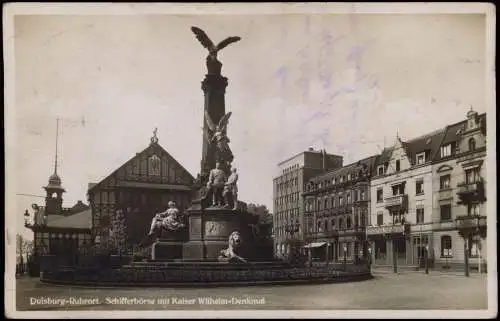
<point x="231" y="253"/>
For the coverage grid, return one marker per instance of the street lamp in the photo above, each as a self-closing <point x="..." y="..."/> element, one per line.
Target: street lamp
<point x="26" y="218"/>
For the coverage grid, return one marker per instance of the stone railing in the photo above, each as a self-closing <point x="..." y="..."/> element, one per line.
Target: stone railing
<point x="465" y="188"/>
<point x="397" y="200"/>
<point x="385" y="229"/>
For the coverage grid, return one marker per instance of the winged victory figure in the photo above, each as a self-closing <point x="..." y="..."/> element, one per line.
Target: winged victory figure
<point x="218" y="135"/>
<point x="213" y="65"/>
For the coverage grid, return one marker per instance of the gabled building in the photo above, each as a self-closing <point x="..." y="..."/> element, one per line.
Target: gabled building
<point x="337" y="205"/>
<point x="459" y="190"/>
<point x="401" y="200"/>
<point x="140" y="188"/>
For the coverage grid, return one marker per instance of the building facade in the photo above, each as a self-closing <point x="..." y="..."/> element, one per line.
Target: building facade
<point x="401" y="194"/>
<point x="459" y="182"/>
<point x="337" y="208"/>
<point x="288" y="186"/>
<point x="428" y="198"/>
<point x="140" y="188"/>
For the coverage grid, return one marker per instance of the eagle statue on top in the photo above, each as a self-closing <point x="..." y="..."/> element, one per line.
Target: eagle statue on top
<point x="214" y="66"/>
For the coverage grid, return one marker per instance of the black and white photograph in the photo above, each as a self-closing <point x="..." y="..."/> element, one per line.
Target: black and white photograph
<point x="263" y="160"/>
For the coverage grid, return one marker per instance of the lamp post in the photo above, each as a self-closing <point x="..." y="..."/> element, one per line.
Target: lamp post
<point x="291" y="230"/>
<point x="345" y="256"/>
<point x="426" y="258"/>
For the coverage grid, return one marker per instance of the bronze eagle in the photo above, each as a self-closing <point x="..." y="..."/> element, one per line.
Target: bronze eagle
<point x="207" y="43"/>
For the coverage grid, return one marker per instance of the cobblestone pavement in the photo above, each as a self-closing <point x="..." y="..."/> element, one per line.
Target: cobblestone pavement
<point x="386" y="290"/>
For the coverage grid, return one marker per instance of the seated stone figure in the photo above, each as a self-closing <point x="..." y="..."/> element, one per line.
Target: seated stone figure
<point x="169" y="220"/>
<point x="231" y="253"/>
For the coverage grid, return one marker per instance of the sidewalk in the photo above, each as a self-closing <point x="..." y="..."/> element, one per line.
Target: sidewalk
<point x="387" y="270"/>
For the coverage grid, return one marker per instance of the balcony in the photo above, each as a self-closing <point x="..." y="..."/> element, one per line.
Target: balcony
<point x="471" y="191"/>
<point x="397" y="202"/>
<point x="471" y="225"/>
<point x="385" y="229"/>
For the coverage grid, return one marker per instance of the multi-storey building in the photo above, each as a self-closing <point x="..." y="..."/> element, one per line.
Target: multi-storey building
<point x="459" y="180"/>
<point x="337" y="209"/>
<point x="428" y="196"/>
<point x="401" y="194"/>
<point x="288" y="186"/>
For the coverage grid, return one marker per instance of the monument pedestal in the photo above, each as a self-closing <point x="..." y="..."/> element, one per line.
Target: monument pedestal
<point x="209" y="231"/>
<point x="166" y="251"/>
<point x="169" y="245"/>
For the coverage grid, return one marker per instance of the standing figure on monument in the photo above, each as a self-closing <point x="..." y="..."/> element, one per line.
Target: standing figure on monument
<point x="216" y="182"/>
<point x="214" y="66"/>
<point x="223" y="153"/>
<point x="231" y="188"/>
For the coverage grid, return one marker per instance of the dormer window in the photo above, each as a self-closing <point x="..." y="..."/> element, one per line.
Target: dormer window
<point x="398" y="165"/>
<point x="380" y="170"/>
<point x="420" y="158"/>
<point x="446" y="150"/>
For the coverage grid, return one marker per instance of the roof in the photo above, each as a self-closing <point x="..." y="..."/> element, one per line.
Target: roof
<point x="152" y="145"/>
<point x="369" y="162"/>
<point x="429" y="142"/>
<point x="70" y="218"/>
<point x="82" y="220"/>
<point x="309" y="151"/>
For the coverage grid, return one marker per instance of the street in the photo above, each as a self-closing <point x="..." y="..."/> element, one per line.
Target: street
<point x="406" y="290"/>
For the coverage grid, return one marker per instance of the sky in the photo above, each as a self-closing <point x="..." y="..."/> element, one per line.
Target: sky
<point x="344" y="82"/>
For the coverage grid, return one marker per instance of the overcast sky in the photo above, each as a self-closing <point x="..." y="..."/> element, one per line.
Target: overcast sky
<point x="345" y="82"/>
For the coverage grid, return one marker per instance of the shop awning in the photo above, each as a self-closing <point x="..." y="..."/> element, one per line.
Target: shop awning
<point x="314" y="244"/>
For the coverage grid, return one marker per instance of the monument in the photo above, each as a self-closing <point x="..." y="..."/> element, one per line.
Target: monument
<point x="221" y="246"/>
<point x="216" y="212"/>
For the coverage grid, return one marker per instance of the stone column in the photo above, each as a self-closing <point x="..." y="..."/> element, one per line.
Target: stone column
<point x="214" y="88"/>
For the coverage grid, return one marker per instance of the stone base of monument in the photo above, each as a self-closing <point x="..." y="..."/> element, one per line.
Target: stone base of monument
<point x="166" y="250"/>
<point x="209" y="231"/>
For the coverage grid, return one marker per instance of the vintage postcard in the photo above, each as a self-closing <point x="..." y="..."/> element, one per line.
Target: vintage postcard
<point x="250" y="160"/>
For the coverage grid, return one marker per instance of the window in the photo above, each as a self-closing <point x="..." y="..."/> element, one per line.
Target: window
<point x="341" y="201"/>
<point x="332" y="222"/>
<point x="380" y="219"/>
<point x="473" y="209"/>
<point x="362" y="195"/>
<point x="349" y="176"/>
<point x="420" y="158"/>
<point x="419" y="187"/>
<point x="341" y="223"/>
<point x="348" y="198"/>
<point x="398" y="189"/>
<point x="380" y="170"/>
<point x="398" y="165"/>
<point x="472" y="144"/>
<point x="380" y="194"/>
<point x="446" y="150"/>
<point x="326" y="203"/>
<point x="472" y="175"/>
<point x="320" y="229"/>
<point x="341" y="179"/>
<point x="420" y="215"/>
<point x="446" y="212"/>
<point x="444" y="181"/>
<point x="348" y="222"/>
<point x="446" y="249"/>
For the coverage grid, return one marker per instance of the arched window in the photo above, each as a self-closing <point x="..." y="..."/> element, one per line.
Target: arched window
<point x="341" y="223"/>
<point x="472" y="144"/>
<point x="319" y="226"/>
<point x="326" y="226"/>
<point x="348" y="221"/>
<point x="446" y="246"/>
<point x="332" y="222"/>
